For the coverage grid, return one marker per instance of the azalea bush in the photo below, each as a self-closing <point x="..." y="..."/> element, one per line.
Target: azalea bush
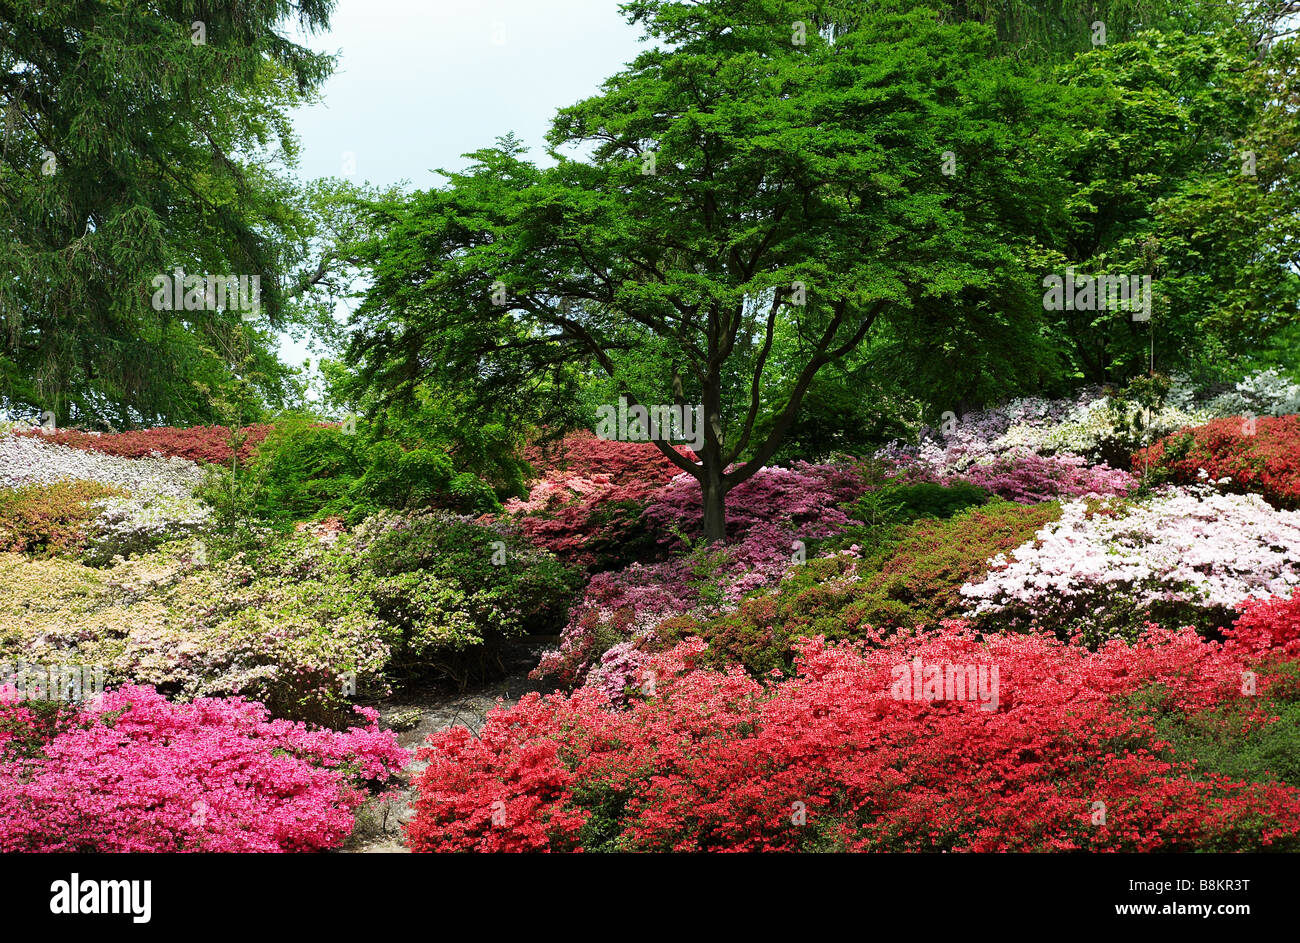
<point x="49" y="518"/>
<point x="1187" y="556"/>
<point x="627" y="605"/>
<point x="914" y="581"/>
<point x="588" y="508"/>
<point x="26" y="460"/>
<point x="455" y="589"/>
<point x="130" y="771"/>
<point x="804" y="498"/>
<point x="833" y="758"/>
<point x="204" y="444"/>
<point x="1098" y="424"/>
<point x="1027" y="477"/>
<point x="303" y="623"/>
<point x="1241" y="454"/>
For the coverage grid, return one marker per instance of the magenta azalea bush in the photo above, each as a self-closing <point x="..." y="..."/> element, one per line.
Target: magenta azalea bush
<point x="130" y="772"/>
<point x="769" y="517"/>
<point x="1029" y="478"/>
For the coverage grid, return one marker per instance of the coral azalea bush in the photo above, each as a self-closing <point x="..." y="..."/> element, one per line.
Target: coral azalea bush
<point x="1260" y="456"/>
<point x="833" y="758"/>
<point x="132" y="772"/>
<point x="210" y="444"/>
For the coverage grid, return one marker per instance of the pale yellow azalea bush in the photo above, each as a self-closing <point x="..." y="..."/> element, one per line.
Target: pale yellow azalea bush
<point x="300" y="645"/>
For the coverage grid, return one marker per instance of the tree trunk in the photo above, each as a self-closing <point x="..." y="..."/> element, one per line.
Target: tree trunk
<point x="713" y="488"/>
<point x="715" y="503"/>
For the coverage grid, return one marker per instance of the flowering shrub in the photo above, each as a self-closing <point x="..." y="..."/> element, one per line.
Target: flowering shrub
<point x="1094" y="423"/>
<point x="34" y="460"/>
<point x="582" y="455"/>
<point x="454" y="588"/>
<point x="1026" y="477"/>
<point x="294" y="623"/>
<point x="588" y="507"/>
<point x="126" y="526"/>
<point x="914" y="581"/>
<point x="805" y="498"/>
<point x="49" y="519"/>
<point x="628" y="604"/>
<point x="1185" y="555"/>
<point x="208" y="444"/>
<point x="1268" y="626"/>
<point x="131" y="772"/>
<point x="1262" y="457"/>
<point x="833" y="759"/>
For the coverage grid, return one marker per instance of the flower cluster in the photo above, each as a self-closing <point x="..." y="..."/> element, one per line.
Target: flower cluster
<point x="132" y="772"/>
<point x="1103" y="565"/>
<point x="768" y="518"/>
<point x="832" y="759"/>
<point x="206" y="444"/>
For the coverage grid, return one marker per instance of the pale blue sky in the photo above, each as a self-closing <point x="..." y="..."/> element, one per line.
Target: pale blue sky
<point x="420" y="82"/>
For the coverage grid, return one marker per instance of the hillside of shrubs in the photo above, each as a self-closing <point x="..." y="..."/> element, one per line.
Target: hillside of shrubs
<point x="1140" y="622"/>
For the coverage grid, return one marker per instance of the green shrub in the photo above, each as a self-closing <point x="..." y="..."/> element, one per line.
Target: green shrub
<point x="49" y="519"/>
<point x="308" y="470"/>
<point x="914" y="581"/>
<point x="455" y="589"/>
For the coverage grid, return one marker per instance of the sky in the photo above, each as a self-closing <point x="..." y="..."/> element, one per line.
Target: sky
<point x="418" y="83"/>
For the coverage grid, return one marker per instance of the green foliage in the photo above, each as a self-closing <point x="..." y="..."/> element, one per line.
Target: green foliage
<point x="456" y="589"/>
<point x="1228" y="742"/>
<point x="911" y="581"/>
<point x="767" y="244"/>
<point x="308" y="469"/>
<point x="131" y="149"/>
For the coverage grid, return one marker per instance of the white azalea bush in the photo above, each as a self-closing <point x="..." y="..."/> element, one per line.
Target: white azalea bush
<point x="1186" y="556"/>
<point x="1093" y="425"/>
<point x="158" y="505"/>
<point x="127" y="526"/>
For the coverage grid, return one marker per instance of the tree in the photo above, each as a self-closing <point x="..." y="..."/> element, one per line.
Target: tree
<point x="1183" y="168"/>
<point x="749" y="179"/>
<point x="136" y="138"/>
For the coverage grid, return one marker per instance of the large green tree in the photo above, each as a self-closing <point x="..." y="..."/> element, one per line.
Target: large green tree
<point x="767" y="171"/>
<point x="136" y="137"/>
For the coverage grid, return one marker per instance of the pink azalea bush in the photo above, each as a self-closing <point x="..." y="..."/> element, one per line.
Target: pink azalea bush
<point x="766" y="516"/>
<point x="804" y="497"/>
<point x="1029" y="478"/>
<point x="131" y="772"/>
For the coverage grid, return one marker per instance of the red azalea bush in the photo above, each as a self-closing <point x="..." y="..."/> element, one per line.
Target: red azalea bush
<point x="582" y="454"/>
<point x="588" y="508"/>
<point x="130" y="771"/>
<point x="198" y="444"/>
<point x="831" y="759"/>
<point x="1269" y="627"/>
<point x="1263" y="457"/>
